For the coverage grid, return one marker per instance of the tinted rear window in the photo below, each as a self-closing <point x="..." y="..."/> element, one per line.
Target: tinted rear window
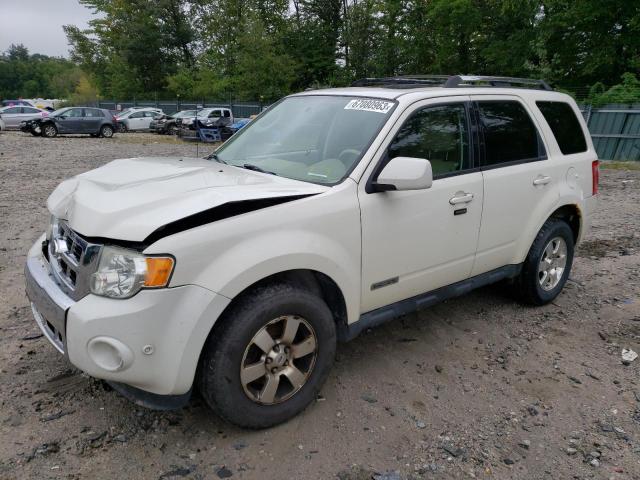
<point x="509" y="133"/>
<point x="564" y="125"/>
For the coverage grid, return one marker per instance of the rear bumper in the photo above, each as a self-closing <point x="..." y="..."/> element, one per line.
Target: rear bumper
<point x="589" y="206"/>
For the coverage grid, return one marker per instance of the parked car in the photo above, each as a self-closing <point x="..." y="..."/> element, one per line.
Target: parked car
<point x="164" y="123"/>
<point x="137" y="119"/>
<point x="207" y="118"/>
<point x="13" y="116"/>
<point x="74" y="120"/>
<point x="332" y="212"/>
<point x="13" y="103"/>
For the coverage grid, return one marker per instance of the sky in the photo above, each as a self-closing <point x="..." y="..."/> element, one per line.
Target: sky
<point x="38" y="24"/>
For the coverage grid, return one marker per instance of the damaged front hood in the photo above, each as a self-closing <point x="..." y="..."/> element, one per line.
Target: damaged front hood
<point x="130" y="199"/>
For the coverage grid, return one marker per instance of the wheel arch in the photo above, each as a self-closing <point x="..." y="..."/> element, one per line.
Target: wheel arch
<point x="570" y="212"/>
<point x="315" y="281"/>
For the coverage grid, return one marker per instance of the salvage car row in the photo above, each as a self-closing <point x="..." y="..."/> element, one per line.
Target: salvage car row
<point x="208" y="124"/>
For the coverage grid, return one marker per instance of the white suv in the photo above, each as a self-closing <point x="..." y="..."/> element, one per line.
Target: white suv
<point x="332" y="212"/>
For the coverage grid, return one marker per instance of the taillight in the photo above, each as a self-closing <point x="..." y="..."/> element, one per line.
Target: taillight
<point x="595" y="176"/>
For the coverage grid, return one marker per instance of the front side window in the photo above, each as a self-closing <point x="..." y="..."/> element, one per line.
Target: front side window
<point x="565" y="126"/>
<point x="314" y="138"/>
<point x="509" y="133"/>
<point x="439" y="134"/>
<point x="74" y="113"/>
<point x="30" y="110"/>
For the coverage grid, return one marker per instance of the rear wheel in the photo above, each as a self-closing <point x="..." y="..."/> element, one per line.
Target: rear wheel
<point x="49" y="130"/>
<point x="122" y="128"/>
<point x="548" y="264"/>
<point x="106" y="131"/>
<point x="268" y="356"/>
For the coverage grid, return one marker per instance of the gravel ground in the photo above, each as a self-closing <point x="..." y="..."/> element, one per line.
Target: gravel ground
<point x="477" y="387"/>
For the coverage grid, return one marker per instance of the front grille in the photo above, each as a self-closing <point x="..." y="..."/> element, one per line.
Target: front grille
<point x="72" y="259"/>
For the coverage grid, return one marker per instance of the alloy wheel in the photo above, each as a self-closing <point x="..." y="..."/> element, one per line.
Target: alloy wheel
<point x="552" y="263"/>
<point x="278" y="360"/>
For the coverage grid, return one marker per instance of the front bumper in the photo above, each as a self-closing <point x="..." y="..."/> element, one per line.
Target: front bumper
<point x="151" y="341"/>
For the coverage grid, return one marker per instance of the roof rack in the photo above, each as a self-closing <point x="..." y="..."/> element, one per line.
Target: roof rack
<point x="455" y="81"/>
<point x="403" y="81"/>
<point x="485" y="81"/>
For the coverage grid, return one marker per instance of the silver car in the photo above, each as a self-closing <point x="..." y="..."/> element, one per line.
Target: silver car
<point x="12" y="116"/>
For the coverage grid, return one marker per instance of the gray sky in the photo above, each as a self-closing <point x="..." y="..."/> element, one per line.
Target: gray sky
<point x="38" y="24"/>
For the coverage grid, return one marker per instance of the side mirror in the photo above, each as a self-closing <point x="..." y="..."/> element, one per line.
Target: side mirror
<point x="404" y="173"/>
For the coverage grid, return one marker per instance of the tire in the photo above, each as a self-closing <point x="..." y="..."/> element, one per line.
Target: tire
<point x="541" y="280"/>
<point x="231" y="345"/>
<point x="172" y="130"/>
<point x="106" y="131"/>
<point x="122" y="128"/>
<point x="49" y="130"/>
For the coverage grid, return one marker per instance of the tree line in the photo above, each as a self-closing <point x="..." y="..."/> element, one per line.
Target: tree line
<point x="264" y="49"/>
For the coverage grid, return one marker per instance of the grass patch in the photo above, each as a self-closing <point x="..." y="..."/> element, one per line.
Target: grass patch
<point x="613" y="165"/>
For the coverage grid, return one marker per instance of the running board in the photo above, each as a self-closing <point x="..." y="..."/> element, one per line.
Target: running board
<point x="404" y="307"/>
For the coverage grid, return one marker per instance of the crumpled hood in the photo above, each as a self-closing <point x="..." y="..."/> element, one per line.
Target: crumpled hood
<point x="129" y="199"/>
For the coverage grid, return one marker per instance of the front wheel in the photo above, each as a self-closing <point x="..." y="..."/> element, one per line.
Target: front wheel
<point x="268" y="356"/>
<point x="548" y="264"/>
<point x="106" y="131"/>
<point x="172" y="130"/>
<point x="49" y="130"/>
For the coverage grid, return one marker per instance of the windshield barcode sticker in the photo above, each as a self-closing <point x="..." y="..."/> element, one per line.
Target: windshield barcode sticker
<point x="369" y="105"/>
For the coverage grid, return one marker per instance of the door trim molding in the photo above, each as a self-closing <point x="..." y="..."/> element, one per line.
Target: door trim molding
<point x="384" y="314"/>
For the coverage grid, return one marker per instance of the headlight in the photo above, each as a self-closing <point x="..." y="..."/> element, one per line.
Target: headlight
<point x="122" y="273"/>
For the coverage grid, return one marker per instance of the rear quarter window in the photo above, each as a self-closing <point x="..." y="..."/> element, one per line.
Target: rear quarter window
<point x="565" y="126"/>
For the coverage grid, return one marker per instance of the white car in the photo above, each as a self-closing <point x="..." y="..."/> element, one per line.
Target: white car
<point x="332" y="212"/>
<point x="14" y="116"/>
<point x="137" y="119"/>
<point x="3" y="126"/>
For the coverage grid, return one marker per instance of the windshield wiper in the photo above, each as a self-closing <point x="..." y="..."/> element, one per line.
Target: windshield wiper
<point x="255" y="168"/>
<point x="214" y="156"/>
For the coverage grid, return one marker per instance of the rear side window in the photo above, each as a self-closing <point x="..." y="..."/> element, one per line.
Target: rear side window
<point x="565" y="126"/>
<point x="509" y="133"/>
<point x="92" y="112"/>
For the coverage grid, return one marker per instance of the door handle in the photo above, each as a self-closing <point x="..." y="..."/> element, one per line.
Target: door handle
<point x="461" y="197"/>
<point x="542" y="180"/>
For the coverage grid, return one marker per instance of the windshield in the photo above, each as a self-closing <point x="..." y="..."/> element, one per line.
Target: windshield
<point x="185" y="113"/>
<point x="312" y="138"/>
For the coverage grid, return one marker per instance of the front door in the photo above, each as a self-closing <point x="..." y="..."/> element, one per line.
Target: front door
<point x="417" y="241"/>
<point x="71" y="121"/>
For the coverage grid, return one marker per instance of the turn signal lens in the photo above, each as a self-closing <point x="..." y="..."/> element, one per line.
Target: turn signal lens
<point x="158" y="271"/>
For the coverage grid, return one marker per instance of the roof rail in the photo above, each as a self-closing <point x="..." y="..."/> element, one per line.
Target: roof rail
<point x="413" y="81"/>
<point x="485" y="81"/>
<point x="402" y="81"/>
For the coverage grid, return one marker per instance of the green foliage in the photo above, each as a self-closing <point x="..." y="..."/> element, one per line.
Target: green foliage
<point x="23" y="75"/>
<point x="263" y="49"/>
<point x="628" y="91"/>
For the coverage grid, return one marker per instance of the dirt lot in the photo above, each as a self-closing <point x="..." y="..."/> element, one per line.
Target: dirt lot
<point x="478" y="387"/>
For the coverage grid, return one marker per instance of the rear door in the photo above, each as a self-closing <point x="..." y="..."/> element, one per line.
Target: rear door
<point x="136" y="121"/>
<point x="92" y="120"/>
<point x="519" y="178"/>
<point x="12" y="116"/>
